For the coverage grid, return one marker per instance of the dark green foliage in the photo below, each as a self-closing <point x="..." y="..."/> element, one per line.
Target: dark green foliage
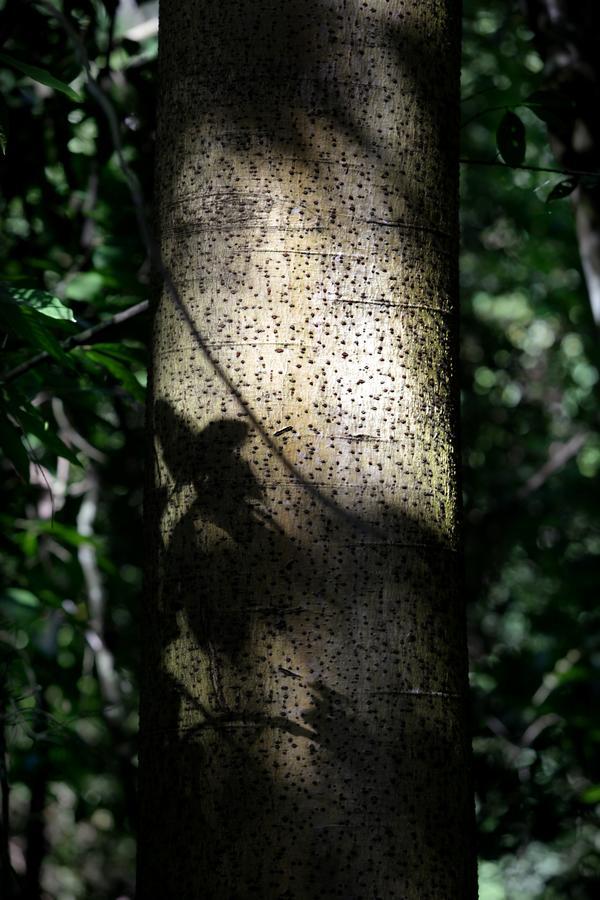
<point x="71" y="441"/>
<point x="563" y="188"/>
<point x="40" y="75"/>
<point x="532" y="459"/>
<point x="25" y="313"/>
<point x="510" y="139"/>
<point x="552" y="107"/>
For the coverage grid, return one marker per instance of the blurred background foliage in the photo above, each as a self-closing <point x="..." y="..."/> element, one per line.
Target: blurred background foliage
<point x="72" y="442"/>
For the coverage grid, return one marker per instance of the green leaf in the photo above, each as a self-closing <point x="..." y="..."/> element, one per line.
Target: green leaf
<point x="20" y="596"/>
<point x="88" y="286"/>
<point x="591" y="794"/>
<point x="29" y="544"/>
<point x="45" y="431"/>
<point x="510" y="139"/>
<point x="61" y="532"/>
<point x="563" y="188"/>
<point x="12" y="447"/>
<point x="120" y="371"/>
<point x="45" y="303"/>
<point x="31" y="326"/>
<point x="127" y="354"/>
<point x="41" y="76"/>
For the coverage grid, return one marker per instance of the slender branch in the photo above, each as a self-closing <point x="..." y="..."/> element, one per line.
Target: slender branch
<point x="36" y="844"/>
<point x="557" y="458"/>
<point x="76" y="339"/>
<point x="96" y="599"/>
<point x="501" y="165"/>
<point x="6" y="873"/>
<point x="110" y="40"/>
<point x="533" y="731"/>
<point x="71" y="436"/>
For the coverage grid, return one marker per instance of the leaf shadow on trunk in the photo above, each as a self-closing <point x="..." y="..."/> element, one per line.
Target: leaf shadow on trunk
<point x="341" y="763"/>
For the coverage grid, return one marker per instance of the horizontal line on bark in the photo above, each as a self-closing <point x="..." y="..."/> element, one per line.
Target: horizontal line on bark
<point x="369" y="526"/>
<point x="410" y="226"/>
<point x="332" y="161"/>
<point x="400" y="544"/>
<point x="218" y="724"/>
<point x="198" y="227"/>
<point x="360" y="437"/>
<point x="276" y="610"/>
<point x="391" y="304"/>
<point x="253" y="344"/>
<point x="264" y="74"/>
<point x="417" y="692"/>
<point x="360" y="258"/>
<point x="190" y="229"/>
<point x="323" y="160"/>
<point x="219" y="198"/>
<point x="218" y="344"/>
<point x="363" y="437"/>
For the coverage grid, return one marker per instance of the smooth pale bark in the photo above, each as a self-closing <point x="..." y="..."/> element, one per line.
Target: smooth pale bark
<point x="303" y="705"/>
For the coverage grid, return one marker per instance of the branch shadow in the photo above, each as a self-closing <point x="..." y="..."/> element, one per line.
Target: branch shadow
<point x="376" y="756"/>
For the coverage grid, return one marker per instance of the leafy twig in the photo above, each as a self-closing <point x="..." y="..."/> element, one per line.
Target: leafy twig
<point x="76" y="339"/>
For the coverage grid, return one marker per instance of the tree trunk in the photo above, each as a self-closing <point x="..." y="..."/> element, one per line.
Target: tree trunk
<point x="304" y="688"/>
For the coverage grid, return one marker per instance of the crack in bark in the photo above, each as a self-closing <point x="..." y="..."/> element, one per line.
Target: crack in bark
<point x="231" y="724"/>
<point x="409" y="226"/>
